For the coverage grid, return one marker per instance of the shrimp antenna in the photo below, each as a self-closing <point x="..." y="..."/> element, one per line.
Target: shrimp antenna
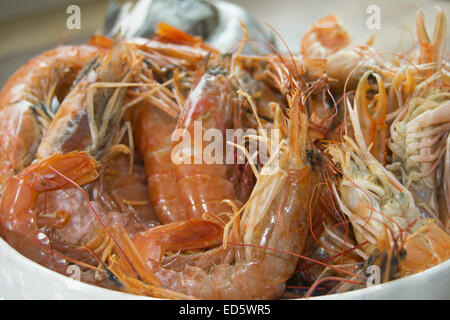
<point x="287" y="48"/>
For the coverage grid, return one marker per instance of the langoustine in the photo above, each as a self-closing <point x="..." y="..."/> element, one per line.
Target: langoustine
<point x="382" y="210"/>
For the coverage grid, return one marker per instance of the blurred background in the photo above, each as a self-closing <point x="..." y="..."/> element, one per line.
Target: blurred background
<point x="29" y="27"/>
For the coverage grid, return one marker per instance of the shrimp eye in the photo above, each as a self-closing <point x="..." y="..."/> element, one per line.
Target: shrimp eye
<point x="338" y="168"/>
<point x="319" y="157"/>
<point x="112" y="277"/>
<point x="217" y="71"/>
<point x="310" y="155"/>
<point x="402" y="254"/>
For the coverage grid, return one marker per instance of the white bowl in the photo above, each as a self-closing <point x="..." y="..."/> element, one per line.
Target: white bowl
<point x="21" y="278"/>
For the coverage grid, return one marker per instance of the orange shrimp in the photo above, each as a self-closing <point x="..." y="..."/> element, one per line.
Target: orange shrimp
<point x="275" y="217"/>
<point x="428" y="246"/>
<point x="18" y="218"/>
<point x="162" y="184"/>
<point x="190" y="192"/>
<point x="46" y="217"/>
<point x="85" y="116"/>
<point x="29" y="99"/>
<point x="203" y="187"/>
<point x="155" y="150"/>
<point x="171" y="184"/>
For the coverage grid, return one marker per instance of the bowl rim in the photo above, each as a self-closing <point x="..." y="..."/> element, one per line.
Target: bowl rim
<point x="113" y="294"/>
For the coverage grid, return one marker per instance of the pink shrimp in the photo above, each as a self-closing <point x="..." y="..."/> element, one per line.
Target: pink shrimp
<point x="85" y="116"/>
<point x="18" y="215"/>
<point x="29" y="99"/>
<point x="275" y="217"/>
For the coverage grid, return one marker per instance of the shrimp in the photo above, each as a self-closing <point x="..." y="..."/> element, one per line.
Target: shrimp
<point x="202" y="187"/>
<point x="29" y="100"/>
<point x="162" y="183"/>
<point x="155" y="150"/>
<point x="275" y="217"/>
<point x="84" y="118"/>
<point x="116" y="196"/>
<point x="18" y="215"/>
<point x="418" y="137"/>
<point x="187" y="192"/>
<point x="46" y="217"/>
<point x="383" y="211"/>
<point x="171" y="184"/>
<point x="426" y="247"/>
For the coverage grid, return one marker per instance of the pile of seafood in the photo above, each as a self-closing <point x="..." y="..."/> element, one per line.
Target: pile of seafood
<point x="356" y="176"/>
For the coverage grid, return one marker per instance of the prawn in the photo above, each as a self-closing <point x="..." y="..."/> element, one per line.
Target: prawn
<point x="185" y="194"/>
<point x="44" y="215"/>
<point x="29" y="100"/>
<point x="203" y="186"/>
<point x="418" y="137"/>
<point x="19" y="216"/>
<point x="92" y="106"/>
<point x="118" y="195"/>
<point x="276" y="216"/>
